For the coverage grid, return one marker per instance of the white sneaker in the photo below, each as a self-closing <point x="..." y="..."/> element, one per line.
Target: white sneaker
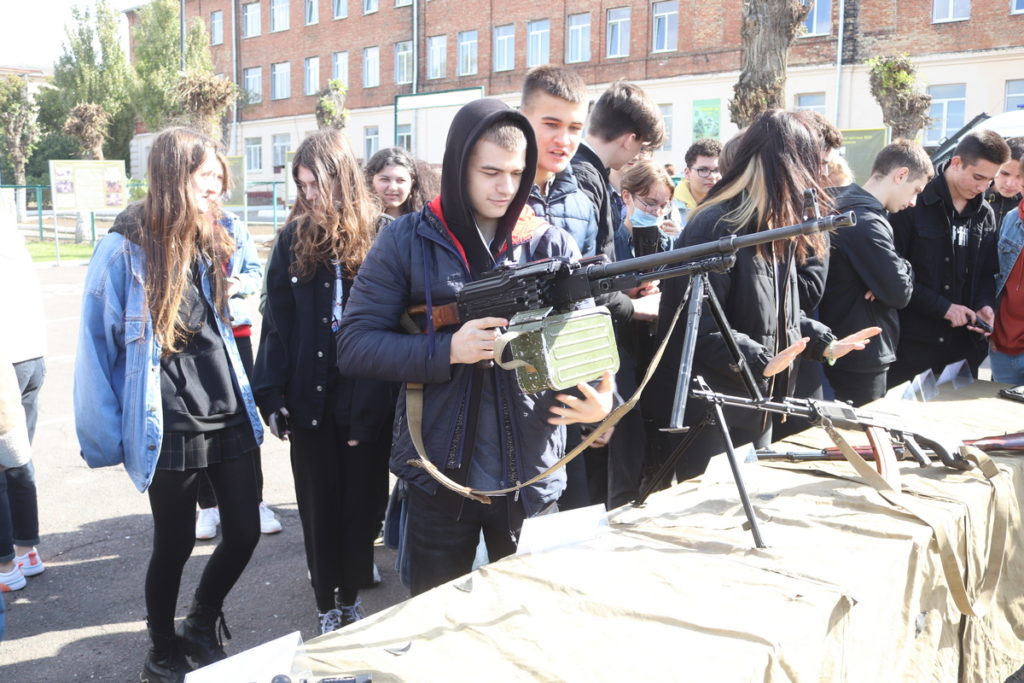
<point x="207" y="521"/>
<point x="31" y="564"/>
<point x="14" y="580"/>
<point x="269" y="523"/>
<point x="331" y="620"/>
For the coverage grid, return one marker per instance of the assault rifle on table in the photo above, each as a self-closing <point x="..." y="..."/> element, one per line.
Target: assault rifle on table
<point x="844" y="416"/>
<point x="554" y="346"/>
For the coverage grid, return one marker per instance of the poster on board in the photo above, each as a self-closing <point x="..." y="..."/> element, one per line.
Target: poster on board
<point x="80" y="185"/>
<point x="707" y="119"/>
<point x="860" y="147"/>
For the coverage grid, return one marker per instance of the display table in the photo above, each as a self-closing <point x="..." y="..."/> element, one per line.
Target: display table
<point x="849" y="589"/>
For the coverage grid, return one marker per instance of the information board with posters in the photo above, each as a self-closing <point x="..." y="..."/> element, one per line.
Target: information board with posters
<point x="88" y="185"/>
<point x="861" y="146"/>
<point x="707" y="119"/>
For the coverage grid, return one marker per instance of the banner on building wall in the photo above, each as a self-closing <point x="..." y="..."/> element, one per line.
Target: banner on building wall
<point x="88" y="185"/>
<point x="707" y="119"/>
<point x="236" y="169"/>
<point x="861" y="146"/>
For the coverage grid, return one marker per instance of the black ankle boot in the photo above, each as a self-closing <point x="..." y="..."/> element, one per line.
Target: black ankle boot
<point x="165" y="662"/>
<point x="201" y="634"/>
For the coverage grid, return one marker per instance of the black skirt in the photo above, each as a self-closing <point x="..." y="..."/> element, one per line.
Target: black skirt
<point x="182" y="451"/>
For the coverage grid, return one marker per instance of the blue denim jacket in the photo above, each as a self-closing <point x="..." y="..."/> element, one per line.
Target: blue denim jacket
<point x="1011" y="241"/>
<point x="244" y="265"/>
<point x="118" y="408"/>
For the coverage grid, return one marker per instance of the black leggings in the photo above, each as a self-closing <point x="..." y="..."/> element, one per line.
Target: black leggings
<point x="172" y="498"/>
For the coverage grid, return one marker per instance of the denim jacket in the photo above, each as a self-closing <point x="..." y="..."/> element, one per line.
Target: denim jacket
<point x="244" y="265"/>
<point x="1011" y="241"/>
<point x="118" y="409"/>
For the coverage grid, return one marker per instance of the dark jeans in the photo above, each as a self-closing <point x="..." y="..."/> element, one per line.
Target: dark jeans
<point x="19" y="510"/>
<point x="338" y="489"/>
<point x="857" y="388"/>
<point x="441" y="547"/>
<point x="206" y="496"/>
<point x="172" y="498"/>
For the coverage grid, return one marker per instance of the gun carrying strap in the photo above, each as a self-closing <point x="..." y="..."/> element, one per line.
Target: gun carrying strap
<point x="938" y="522"/>
<point x="414" y="416"/>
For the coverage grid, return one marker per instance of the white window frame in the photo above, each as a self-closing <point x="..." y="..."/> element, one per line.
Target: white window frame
<point x="577" y="47"/>
<point x="943" y="119"/>
<point x="311" y="12"/>
<point x="280" y="144"/>
<point x="819" y="18"/>
<point x="1016" y="6"/>
<point x="339" y="8"/>
<point x="944" y="11"/>
<point x="665" y="26"/>
<point x="403" y="62"/>
<point x="802" y="102"/>
<point x="371" y="141"/>
<point x="666" y="115"/>
<point x="251" y="20"/>
<point x="538" y="42"/>
<point x="254" y="155"/>
<point x="504" y="47"/>
<point x="619" y="27"/>
<point x="403" y="3"/>
<point x="280" y="80"/>
<point x="217" y="27"/>
<point x="370" y="6"/>
<point x="468" y="43"/>
<point x="1018" y="95"/>
<point x="437" y="56"/>
<point x="403" y="136"/>
<point x="311" y="75"/>
<point x="371" y="66"/>
<point x="339" y="66"/>
<point x="279" y="15"/>
<point x="253" y="76"/>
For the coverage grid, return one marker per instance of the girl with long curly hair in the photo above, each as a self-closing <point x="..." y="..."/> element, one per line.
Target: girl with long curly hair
<point x="338" y="427"/>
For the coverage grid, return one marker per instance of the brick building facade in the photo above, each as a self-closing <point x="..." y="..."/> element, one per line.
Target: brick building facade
<point x="687" y="54"/>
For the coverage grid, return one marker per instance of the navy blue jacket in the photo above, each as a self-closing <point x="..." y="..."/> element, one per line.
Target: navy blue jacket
<point x="567" y="207"/>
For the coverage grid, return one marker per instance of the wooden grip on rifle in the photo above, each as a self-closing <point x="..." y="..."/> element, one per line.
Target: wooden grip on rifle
<point x="444" y="316"/>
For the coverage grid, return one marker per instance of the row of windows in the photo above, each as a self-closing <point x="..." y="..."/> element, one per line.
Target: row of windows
<point x="282" y="143"/>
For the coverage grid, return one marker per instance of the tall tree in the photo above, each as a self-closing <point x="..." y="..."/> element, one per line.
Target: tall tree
<point x="155" y="50"/>
<point x="93" y="69"/>
<point x="769" y="27"/>
<point x="19" y="128"/>
<point x="894" y="85"/>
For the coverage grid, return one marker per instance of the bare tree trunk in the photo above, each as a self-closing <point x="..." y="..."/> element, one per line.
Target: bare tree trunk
<point x="19" y="195"/>
<point x="769" y="27"/>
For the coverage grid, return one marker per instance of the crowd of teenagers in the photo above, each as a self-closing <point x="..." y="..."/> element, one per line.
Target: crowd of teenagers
<point x="357" y="370"/>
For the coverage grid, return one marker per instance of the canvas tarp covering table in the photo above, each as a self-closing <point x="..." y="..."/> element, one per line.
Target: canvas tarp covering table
<point x="849" y="589"/>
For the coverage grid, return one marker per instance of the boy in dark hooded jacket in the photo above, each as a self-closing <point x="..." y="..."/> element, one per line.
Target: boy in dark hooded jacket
<point x="868" y="282"/>
<point x="478" y="427"/>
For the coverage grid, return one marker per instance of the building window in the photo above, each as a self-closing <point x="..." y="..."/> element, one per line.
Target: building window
<point x="340" y="8"/>
<point x="951" y="10"/>
<point x="814" y="101"/>
<point x="1018" y="7"/>
<point x="504" y="47"/>
<point x="278" y="15"/>
<point x="577" y="48"/>
<point x="666" y="115"/>
<point x="467" y="53"/>
<point x="947" y="112"/>
<point x="254" y="155"/>
<point x="819" y="18"/>
<point x="403" y="136"/>
<point x="312" y="12"/>
<point x="371" y="141"/>
<point x="1014" y="95"/>
<point x="437" y="56"/>
<point x="665" y="28"/>
<point x="618" y="32"/>
<point x="253" y="81"/>
<point x="403" y="62"/>
<point x="538" y="43"/>
<point x="403" y="3"/>
<point x="279" y="146"/>
<point x="280" y="81"/>
<point x="217" y="27"/>
<point x="250" y="19"/>
<point x="371" y="67"/>
<point x="339" y="67"/>
<point x="369" y="6"/>
<point x="312" y="79"/>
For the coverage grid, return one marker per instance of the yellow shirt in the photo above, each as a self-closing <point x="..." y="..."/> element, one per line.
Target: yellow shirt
<point x="683" y="194"/>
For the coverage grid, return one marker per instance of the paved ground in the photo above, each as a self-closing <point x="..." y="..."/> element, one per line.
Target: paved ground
<point x="83" y="618"/>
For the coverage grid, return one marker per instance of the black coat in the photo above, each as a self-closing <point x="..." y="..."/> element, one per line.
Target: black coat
<point x="923" y="236"/>
<point x="296" y="363"/>
<point x="863" y="258"/>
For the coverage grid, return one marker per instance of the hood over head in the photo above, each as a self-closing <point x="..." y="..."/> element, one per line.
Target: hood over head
<point x="467" y="127"/>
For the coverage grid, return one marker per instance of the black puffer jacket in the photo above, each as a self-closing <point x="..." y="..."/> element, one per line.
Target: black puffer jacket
<point x="944" y="275"/>
<point x="863" y="258"/>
